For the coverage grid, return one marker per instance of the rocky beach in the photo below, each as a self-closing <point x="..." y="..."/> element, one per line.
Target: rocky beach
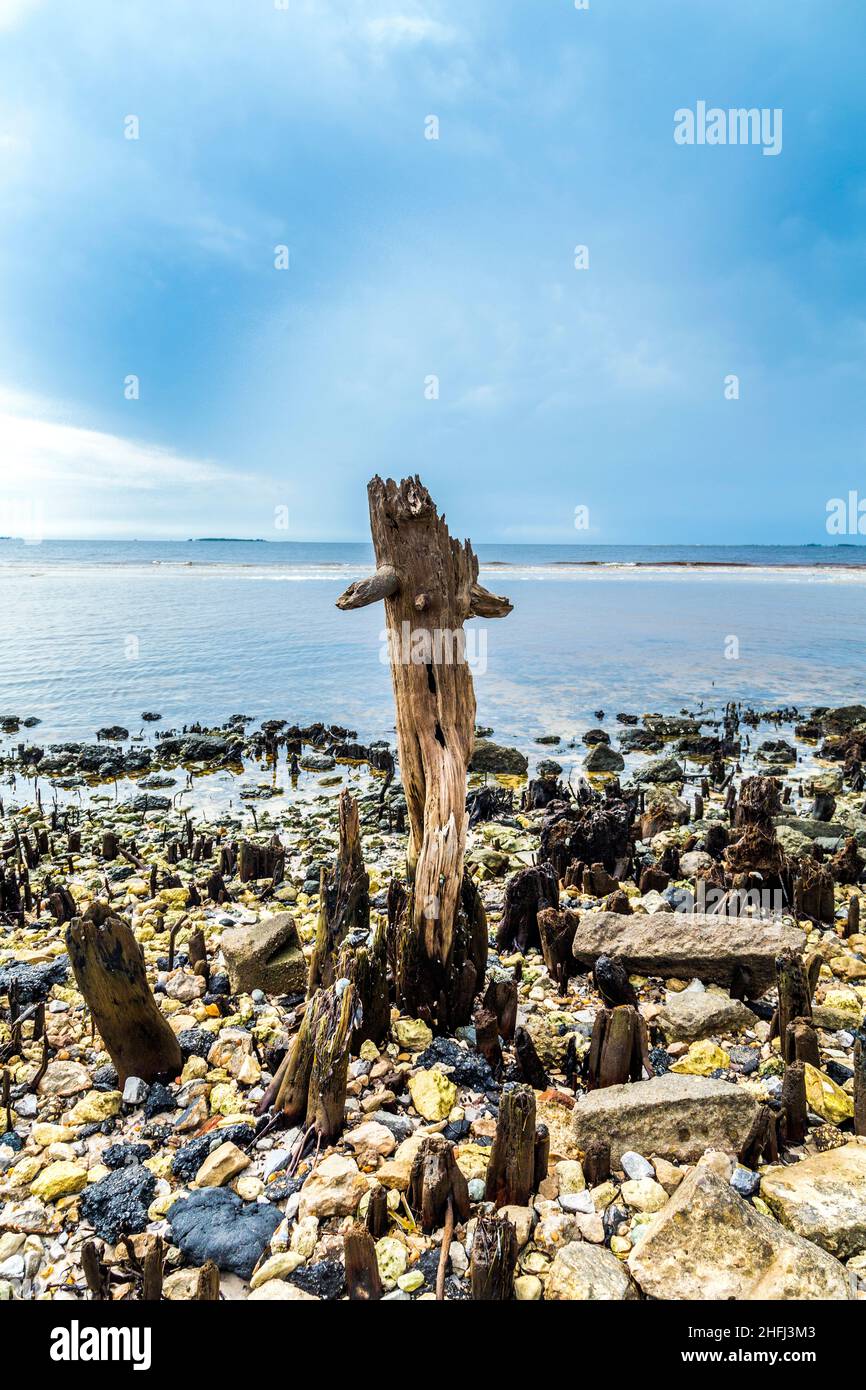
<point x="659" y="1092"/>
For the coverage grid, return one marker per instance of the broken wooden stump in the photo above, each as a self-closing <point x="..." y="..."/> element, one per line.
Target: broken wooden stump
<point x="493" y="1259"/>
<point x="794" y="1106"/>
<point x="487" y="1038"/>
<point x="859" y="1085"/>
<point x="362" y="1268"/>
<point x="556" y="933"/>
<point x="527" y="892"/>
<point x="852" y="926"/>
<point x="436" y="1182"/>
<point x="813" y="891"/>
<point x="312" y="1086"/>
<point x="377" y="1212"/>
<point x="366" y="965"/>
<point x="344" y="899"/>
<point x="429" y="585"/>
<point x="802" y="1042"/>
<point x="511" y="1169"/>
<point x="795" y="998"/>
<point x="619" y="1048"/>
<point x="108" y="965"/>
<point x="261" y="861"/>
<point x="596" y="1162"/>
<point x="529" y="1063"/>
<point x="500" y="998"/>
<point x="541" y="1156"/>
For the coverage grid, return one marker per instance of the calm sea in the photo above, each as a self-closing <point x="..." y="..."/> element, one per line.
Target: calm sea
<point x="94" y="633"/>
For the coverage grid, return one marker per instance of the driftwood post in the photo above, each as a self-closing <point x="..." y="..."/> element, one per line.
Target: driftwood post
<point x="108" y="965"/>
<point x="429" y="584"/>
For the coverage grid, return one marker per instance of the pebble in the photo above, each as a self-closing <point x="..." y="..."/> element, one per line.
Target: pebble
<point x="635" y="1166"/>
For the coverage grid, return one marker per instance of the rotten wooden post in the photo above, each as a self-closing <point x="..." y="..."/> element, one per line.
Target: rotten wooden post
<point x="312" y="1086"/>
<point x="108" y="965"/>
<point x="344" y="901"/>
<point x="794" y="1104"/>
<point x="493" y="1260"/>
<point x="795" y="996"/>
<point x="436" y="1184"/>
<point x="362" y="1268"/>
<point x="429" y="584"/>
<point x="511" y="1169"/>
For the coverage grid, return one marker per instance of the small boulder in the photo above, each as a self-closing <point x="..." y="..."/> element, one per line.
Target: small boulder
<point x="214" y="1224"/>
<point x="822" y="1198"/>
<point x="265" y="955"/>
<point x="677" y="1117"/>
<point x="492" y="757"/>
<point x="708" y="1244"/>
<point x="583" y="1273"/>
<point x="334" y="1188"/>
<point x="694" y="1014"/>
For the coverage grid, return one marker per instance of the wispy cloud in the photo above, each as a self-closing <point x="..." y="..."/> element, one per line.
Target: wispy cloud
<point x="390" y="30"/>
<point x="11" y="11"/>
<point x="41" y="449"/>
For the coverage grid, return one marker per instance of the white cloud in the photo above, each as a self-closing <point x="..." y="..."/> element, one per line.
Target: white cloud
<point x="392" y="30"/>
<point x="44" y="450"/>
<point x="13" y="10"/>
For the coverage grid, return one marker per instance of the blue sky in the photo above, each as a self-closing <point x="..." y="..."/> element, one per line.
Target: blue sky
<point x="409" y="258"/>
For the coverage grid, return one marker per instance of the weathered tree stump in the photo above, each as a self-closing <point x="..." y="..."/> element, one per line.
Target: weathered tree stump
<point x="795" y="996"/>
<point x="313" y="1084"/>
<point x="762" y="1141"/>
<point x="541" y="1156"/>
<point x="377" y="1212"/>
<point x="802" y="1042"/>
<point x="794" y="1105"/>
<point x="152" y="1271"/>
<point x="362" y="1267"/>
<point x="556" y="932"/>
<point x="436" y="1180"/>
<point x="618" y="1049"/>
<point x="261" y="861"/>
<point x="95" y="1272"/>
<point x="207" y="1289"/>
<point x="493" y="1260"/>
<point x="511" y="1169"/>
<point x="859" y="1085"/>
<point x="527" y="893"/>
<point x="853" y="924"/>
<point x="487" y="1038"/>
<point x="366" y="965"/>
<point x="344" y="902"/>
<point x="528" y="1061"/>
<point x="500" y="998"/>
<point x="108" y="965"/>
<point x="814" y="895"/>
<point x="429" y="584"/>
<point x="596" y="1162"/>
